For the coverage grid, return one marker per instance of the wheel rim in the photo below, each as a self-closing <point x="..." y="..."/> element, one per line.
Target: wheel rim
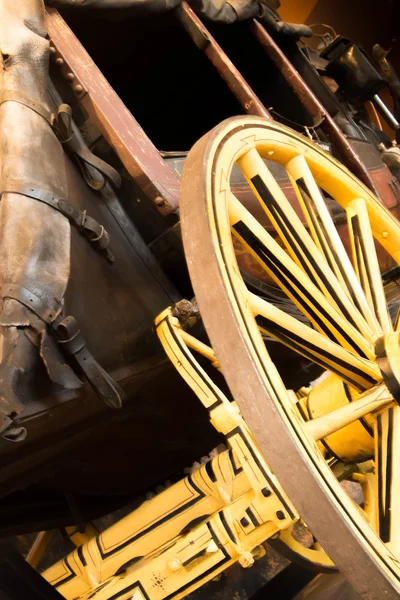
<point x="352" y="320"/>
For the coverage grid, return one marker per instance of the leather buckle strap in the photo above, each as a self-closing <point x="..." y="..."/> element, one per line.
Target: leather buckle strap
<point x="63" y="122"/>
<point x="94" y="161"/>
<point x="98" y="237"/>
<point x="14" y="186"/>
<point x="76" y="146"/>
<point x="71" y="339"/>
<point x="95" y="233"/>
<point x="16" y="96"/>
<point x="30" y="300"/>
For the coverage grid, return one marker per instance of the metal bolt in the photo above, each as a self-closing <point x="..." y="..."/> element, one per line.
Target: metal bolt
<point x="258" y="552"/>
<point x="174" y="565"/>
<point x="78" y="89"/>
<point x="59" y="61"/>
<point x="53" y="50"/>
<point x="266" y="492"/>
<point x="244" y="522"/>
<point x="384" y="234"/>
<point x="281" y="515"/>
<point x="70" y="76"/>
<point x="159" y="201"/>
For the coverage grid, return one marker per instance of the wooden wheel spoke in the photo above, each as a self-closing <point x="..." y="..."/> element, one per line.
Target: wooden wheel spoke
<point x="387" y="474"/>
<point x="358" y="372"/>
<point x="297" y="240"/>
<point x="326" y="236"/>
<point x="292" y="279"/>
<point x="369" y="402"/>
<point x="366" y="261"/>
<point x="397" y="321"/>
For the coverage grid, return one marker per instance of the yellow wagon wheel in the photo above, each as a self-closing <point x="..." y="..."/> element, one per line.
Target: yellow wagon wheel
<point x="354" y="411"/>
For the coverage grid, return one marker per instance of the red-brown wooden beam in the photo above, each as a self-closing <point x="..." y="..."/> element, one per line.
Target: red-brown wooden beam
<point x="112" y="118"/>
<point x="204" y="41"/>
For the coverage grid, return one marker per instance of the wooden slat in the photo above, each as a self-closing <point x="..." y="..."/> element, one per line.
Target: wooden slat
<point x="366" y="261"/>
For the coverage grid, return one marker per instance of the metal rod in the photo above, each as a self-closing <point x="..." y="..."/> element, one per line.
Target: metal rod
<point x="385" y="112"/>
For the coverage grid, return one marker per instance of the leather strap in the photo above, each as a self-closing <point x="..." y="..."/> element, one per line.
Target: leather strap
<point x="71" y="340"/>
<point x="30" y="300"/>
<point x="57" y="367"/>
<point x="15" y="186"/>
<point x="76" y="146"/>
<point x="94" y="161"/>
<point x="62" y="123"/>
<point x="16" y="96"/>
<point x="86" y="225"/>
